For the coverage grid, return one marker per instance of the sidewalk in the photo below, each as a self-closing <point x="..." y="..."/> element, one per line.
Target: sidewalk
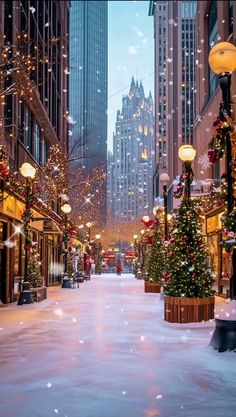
<point x="104" y="351"/>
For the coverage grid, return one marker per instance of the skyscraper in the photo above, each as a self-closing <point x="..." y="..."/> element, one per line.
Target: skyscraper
<point x="175" y="90"/>
<point x="88" y="83"/>
<point x="130" y="193"/>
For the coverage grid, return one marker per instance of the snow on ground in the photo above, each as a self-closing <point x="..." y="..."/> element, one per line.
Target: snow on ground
<point x="103" y="350"/>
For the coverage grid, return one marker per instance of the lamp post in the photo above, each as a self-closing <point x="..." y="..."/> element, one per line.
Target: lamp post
<point x="28" y="172"/>
<point x="66" y="282"/>
<point x="89" y="225"/>
<point x="98" y="266"/>
<point x="164" y="179"/>
<point x="135" y="237"/>
<point x="187" y="154"/>
<point x="222" y="60"/>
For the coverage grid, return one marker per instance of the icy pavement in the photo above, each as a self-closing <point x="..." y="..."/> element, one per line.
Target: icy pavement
<point x="104" y="351"/>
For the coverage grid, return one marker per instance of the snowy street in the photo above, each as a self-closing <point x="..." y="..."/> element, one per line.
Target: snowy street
<point x="103" y="350"/>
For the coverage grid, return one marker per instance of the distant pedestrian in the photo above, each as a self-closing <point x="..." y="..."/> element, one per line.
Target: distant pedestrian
<point x="118" y="268"/>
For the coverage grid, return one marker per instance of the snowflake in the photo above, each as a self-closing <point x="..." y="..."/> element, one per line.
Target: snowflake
<point x="203" y="160"/>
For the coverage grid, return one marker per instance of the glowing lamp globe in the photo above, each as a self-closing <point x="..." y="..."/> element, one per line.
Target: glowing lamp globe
<point x="145" y="219"/>
<point x="135" y="237"/>
<point x="222" y="58"/>
<point x="164" y="178"/>
<point x="142" y="232"/>
<point x="187" y="153"/>
<point x="97" y="236"/>
<point x="89" y="224"/>
<point x="66" y="208"/>
<point x="27" y="170"/>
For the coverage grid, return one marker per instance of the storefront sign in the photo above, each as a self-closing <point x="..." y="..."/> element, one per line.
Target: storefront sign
<point x="214" y="223"/>
<point x="14" y="208"/>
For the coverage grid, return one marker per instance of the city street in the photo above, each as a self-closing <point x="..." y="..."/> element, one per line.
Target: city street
<point x="103" y="350"/>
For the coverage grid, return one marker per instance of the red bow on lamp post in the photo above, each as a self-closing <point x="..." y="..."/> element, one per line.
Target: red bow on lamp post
<point x="146" y="220"/>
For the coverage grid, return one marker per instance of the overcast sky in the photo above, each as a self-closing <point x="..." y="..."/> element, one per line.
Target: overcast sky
<point x="130" y="52"/>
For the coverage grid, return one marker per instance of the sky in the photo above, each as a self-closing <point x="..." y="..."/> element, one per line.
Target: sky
<point x="130" y="52"/>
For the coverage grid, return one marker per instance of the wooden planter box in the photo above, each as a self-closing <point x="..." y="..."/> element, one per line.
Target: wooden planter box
<point x="152" y="287"/>
<point x="39" y="294"/>
<point x="188" y="310"/>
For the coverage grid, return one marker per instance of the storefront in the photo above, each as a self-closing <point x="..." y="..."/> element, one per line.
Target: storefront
<point x="219" y="258"/>
<point x="12" y="248"/>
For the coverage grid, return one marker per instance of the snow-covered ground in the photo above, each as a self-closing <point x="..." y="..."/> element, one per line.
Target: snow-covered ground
<point x="104" y="351"/>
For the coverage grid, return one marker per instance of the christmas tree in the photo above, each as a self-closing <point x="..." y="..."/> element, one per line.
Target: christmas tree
<point x="98" y="265"/>
<point x="187" y="273"/>
<point x="70" y="267"/>
<point x="155" y="259"/>
<point x="34" y="276"/>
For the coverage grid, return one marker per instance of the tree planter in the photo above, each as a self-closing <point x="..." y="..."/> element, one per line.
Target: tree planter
<point x="39" y="294"/>
<point x="188" y="310"/>
<point x="152" y="287"/>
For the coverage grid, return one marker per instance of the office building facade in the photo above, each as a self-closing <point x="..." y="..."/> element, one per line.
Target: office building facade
<point x="175" y="90"/>
<point x="88" y="86"/>
<point x="130" y="191"/>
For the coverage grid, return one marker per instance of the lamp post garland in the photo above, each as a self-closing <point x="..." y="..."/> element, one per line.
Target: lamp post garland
<point x="66" y="282"/>
<point x="28" y="172"/>
<point x="164" y="179"/>
<point x="222" y="61"/>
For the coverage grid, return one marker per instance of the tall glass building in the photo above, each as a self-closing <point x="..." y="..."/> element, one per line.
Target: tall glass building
<point x="88" y="84"/>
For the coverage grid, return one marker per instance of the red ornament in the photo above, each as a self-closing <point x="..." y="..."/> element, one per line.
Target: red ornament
<point x="193" y="274"/>
<point x="150" y="240"/>
<point x="191" y="256"/>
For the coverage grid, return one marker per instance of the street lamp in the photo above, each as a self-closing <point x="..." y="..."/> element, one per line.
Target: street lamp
<point x="66" y="282"/>
<point x="222" y="60"/>
<point x="28" y="172"/>
<point x="164" y="179"/>
<point x="187" y="154"/>
<point x="89" y="225"/>
<point x="145" y="219"/>
<point x="135" y="237"/>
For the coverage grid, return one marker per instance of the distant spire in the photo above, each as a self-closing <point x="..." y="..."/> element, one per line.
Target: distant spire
<point x="132" y="85"/>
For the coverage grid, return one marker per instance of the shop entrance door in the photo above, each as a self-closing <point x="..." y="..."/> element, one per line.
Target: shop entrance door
<point x="3" y="263"/>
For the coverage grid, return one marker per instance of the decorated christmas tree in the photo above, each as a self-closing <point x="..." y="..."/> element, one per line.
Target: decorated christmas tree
<point x="98" y="265"/>
<point x="70" y="267"/>
<point x="34" y="276"/>
<point x="187" y="273"/>
<point x="155" y="261"/>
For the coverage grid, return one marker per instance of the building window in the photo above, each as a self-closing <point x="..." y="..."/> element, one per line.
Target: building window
<point x="212" y="38"/>
<point x="36" y="142"/>
<point x="231" y="17"/>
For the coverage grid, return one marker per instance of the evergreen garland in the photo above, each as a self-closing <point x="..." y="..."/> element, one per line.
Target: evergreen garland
<point x="187" y="273"/>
